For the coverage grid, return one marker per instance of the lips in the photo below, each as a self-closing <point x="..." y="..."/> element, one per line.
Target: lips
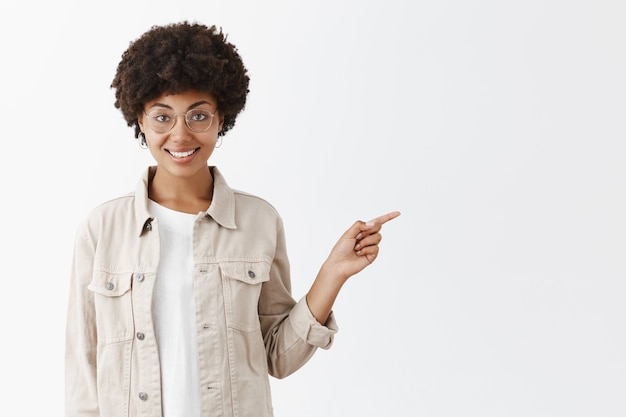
<point x="182" y="154"/>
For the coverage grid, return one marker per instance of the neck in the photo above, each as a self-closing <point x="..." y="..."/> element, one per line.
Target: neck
<point x="185" y="194"/>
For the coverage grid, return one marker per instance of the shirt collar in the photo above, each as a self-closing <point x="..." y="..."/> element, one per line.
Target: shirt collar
<point x="222" y="208"/>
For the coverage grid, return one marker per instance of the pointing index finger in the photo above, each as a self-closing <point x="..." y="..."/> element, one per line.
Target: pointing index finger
<point x="383" y="219"/>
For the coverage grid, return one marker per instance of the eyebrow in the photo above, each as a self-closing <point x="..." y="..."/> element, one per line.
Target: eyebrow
<point x="194" y="105"/>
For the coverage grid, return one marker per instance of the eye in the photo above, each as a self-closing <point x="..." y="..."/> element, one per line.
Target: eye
<point x="198" y="115"/>
<point x="161" y="117"/>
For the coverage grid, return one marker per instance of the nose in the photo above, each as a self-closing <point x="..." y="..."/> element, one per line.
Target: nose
<point x="180" y="131"/>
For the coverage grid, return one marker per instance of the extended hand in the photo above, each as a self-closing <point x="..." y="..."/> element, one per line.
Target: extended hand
<point x="358" y="247"/>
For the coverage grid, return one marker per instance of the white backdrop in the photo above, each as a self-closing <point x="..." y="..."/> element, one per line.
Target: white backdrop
<point x="495" y="127"/>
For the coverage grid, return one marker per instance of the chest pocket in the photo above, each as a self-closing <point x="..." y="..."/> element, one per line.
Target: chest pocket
<point x="242" y="288"/>
<point x="113" y="303"/>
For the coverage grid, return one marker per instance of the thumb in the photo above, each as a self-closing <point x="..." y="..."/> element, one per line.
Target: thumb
<point x="354" y="230"/>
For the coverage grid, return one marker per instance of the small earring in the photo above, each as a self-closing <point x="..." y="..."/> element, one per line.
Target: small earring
<point x="219" y="142"/>
<point x="142" y="142"/>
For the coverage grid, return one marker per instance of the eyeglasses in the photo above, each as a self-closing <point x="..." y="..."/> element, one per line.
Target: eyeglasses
<point x="163" y="120"/>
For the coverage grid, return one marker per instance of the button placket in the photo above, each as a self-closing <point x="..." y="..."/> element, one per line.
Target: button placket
<point x="139" y="277"/>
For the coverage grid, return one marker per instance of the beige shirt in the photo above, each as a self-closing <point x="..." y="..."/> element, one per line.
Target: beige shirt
<point x="248" y="325"/>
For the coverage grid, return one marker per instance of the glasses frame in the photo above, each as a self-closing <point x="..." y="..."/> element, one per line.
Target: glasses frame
<point x="175" y="119"/>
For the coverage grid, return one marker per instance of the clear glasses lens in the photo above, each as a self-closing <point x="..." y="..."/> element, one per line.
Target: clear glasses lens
<point x="163" y="120"/>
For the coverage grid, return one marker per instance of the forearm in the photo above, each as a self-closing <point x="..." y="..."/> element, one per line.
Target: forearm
<point x="324" y="291"/>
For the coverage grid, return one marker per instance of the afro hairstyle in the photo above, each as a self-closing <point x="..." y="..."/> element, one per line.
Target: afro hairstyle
<point x="175" y="58"/>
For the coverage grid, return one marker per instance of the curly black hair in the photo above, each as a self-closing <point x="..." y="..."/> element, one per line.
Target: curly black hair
<point x="177" y="57"/>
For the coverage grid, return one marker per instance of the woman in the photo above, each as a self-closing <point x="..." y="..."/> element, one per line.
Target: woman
<point x="180" y="301"/>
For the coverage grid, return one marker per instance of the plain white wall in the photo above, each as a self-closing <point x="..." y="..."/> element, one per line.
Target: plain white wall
<point x="496" y="128"/>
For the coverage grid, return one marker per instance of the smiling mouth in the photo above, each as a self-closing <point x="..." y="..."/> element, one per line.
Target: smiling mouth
<point x="182" y="154"/>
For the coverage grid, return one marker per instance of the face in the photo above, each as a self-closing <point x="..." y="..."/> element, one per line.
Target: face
<point x="181" y="152"/>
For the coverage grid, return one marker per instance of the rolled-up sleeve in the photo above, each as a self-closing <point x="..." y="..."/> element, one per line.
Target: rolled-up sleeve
<point x="306" y="326"/>
<point x="290" y="331"/>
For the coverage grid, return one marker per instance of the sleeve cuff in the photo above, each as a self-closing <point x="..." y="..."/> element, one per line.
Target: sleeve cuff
<point x="309" y="329"/>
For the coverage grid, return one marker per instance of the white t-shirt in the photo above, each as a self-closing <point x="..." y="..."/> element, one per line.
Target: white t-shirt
<point x="173" y="313"/>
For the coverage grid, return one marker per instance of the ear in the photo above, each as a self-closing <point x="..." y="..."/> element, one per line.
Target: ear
<point x="140" y="122"/>
<point x="219" y="127"/>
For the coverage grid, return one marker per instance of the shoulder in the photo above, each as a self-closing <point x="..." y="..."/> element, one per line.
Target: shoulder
<point x="245" y="203"/>
<point x="255" y="204"/>
<point x="253" y="200"/>
<point x="122" y="203"/>
<point x="116" y="212"/>
<point x="126" y="209"/>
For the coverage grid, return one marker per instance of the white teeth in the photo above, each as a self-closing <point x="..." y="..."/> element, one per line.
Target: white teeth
<point x="181" y="154"/>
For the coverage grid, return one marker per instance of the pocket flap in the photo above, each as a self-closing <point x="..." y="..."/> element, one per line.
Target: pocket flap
<point x="110" y="285"/>
<point x="248" y="272"/>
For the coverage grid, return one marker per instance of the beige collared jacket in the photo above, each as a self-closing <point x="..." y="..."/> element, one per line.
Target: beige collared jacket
<point x="248" y="325"/>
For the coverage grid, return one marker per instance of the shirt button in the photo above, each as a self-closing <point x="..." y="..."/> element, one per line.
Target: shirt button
<point x="251" y="274"/>
<point x="110" y="286"/>
<point x="140" y="336"/>
<point x="139" y="277"/>
<point x="143" y="396"/>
